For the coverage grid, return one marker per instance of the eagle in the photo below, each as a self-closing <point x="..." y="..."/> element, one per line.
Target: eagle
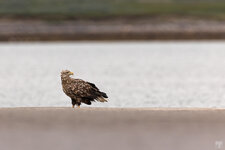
<point x="80" y="91"/>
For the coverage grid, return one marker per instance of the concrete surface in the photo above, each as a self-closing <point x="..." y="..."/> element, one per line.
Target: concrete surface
<point x="112" y="128"/>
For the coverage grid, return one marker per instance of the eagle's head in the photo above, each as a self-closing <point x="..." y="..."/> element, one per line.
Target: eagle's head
<point x="66" y="73"/>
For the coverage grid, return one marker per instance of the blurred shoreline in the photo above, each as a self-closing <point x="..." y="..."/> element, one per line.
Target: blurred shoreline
<point x="147" y="28"/>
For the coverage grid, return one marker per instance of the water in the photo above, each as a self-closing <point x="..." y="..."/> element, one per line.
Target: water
<point x="133" y="74"/>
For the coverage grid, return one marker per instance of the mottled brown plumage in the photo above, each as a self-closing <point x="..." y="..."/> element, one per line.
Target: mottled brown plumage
<point x="80" y="91"/>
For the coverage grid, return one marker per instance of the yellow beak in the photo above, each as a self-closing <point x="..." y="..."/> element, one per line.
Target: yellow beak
<point x="71" y="73"/>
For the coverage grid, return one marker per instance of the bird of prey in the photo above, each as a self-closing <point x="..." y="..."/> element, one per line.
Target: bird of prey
<point x="80" y="91"/>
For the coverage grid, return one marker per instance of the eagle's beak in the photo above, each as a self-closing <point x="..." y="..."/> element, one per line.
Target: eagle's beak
<point x="71" y="73"/>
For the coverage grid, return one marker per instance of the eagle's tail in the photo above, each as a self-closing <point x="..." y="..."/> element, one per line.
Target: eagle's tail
<point x="101" y="99"/>
<point x="104" y="95"/>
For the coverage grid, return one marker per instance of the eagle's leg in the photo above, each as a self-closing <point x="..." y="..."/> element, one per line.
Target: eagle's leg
<point x="78" y="104"/>
<point x="73" y="102"/>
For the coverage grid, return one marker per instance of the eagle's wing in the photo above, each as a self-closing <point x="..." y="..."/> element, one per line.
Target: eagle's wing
<point x="96" y="89"/>
<point x="84" y="89"/>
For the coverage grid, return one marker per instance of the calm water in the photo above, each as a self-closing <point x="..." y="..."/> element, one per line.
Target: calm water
<point x="133" y="74"/>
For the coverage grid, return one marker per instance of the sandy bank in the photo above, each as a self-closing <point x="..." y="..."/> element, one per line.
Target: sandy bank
<point x="115" y="29"/>
<point x="111" y="128"/>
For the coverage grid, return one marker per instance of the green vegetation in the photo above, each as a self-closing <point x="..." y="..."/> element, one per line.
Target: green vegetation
<point x="67" y="9"/>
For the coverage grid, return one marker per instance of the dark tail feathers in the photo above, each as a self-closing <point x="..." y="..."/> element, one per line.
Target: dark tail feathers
<point x="104" y="95"/>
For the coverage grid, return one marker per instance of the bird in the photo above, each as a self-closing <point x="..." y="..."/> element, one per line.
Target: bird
<point x="80" y="91"/>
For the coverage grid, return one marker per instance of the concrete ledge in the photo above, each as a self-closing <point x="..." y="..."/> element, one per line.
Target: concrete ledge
<point x="112" y="128"/>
